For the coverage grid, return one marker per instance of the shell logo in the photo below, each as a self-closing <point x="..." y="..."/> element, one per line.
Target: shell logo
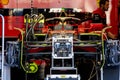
<point x="4" y="2"/>
<point x="98" y="2"/>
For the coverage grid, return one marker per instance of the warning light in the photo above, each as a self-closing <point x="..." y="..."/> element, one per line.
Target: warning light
<point x="4" y="2"/>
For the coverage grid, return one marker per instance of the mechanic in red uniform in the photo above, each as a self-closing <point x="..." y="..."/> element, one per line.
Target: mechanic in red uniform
<point x="99" y="16"/>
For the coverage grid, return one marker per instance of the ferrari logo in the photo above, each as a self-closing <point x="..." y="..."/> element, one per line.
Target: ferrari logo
<point x="4" y="2"/>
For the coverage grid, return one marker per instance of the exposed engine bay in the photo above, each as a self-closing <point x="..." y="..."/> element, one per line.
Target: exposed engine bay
<point x="60" y="46"/>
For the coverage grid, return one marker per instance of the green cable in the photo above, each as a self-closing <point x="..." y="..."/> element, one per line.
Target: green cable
<point x="103" y="48"/>
<point x="21" y="54"/>
<point x="103" y="54"/>
<point x="21" y="57"/>
<point x="33" y="66"/>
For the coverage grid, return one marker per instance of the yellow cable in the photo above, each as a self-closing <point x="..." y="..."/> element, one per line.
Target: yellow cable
<point x="91" y="76"/>
<point x="103" y="50"/>
<point x="103" y="54"/>
<point x="21" y="55"/>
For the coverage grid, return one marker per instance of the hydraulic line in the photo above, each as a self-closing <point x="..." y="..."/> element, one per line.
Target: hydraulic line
<point x="21" y="54"/>
<point x="91" y="74"/>
<point x="103" y="48"/>
<point x="26" y="18"/>
<point x="33" y="24"/>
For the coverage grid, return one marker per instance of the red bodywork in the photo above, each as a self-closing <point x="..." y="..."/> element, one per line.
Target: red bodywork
<point x="10" y="23"/>
<point x="83" y="5"/>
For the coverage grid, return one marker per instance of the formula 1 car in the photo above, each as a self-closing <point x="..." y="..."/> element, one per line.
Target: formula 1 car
<point x="60" y="42"/>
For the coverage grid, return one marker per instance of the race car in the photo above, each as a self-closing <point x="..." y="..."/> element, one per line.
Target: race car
<point x="58" y="42"/>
